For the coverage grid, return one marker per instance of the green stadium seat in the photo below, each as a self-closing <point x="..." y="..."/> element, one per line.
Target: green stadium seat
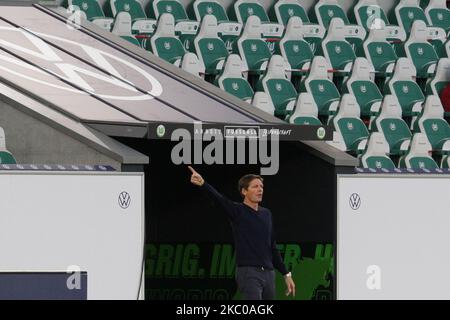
<point x="361" y="85"/>
<point x="418" y="154"/>
<point x="420" y="51"/>
<point x="405" y="88"/>
<point x="336" y="49"/>
<point x="168" y="47"/>
<point x="283" y="10"/>
<point x="379" y="51"/>
<point x="262" y="101"/>
<point x="326" y="10"/>
<point x="406" y="12"/>
<point x="93" y="11"/>
<point x="243" y="9"/>
<point x="6" y="157"/>
<point x="324" y="91"/>
<point x="391" y="124"/>
<point x="294" y="48"/>
<point x="305" y="112"/>
<point x="232" y="81"/>
<point x="438" y="14"/>
<point x="376" y="154"/>
<point x="445" y="163"/>
<point x="228" y="30"/>
<point x="278" y="87"/>
<point x="252" y="48"/>
<point x="431" y="122"/>
<point x="368" y="13"/>
<point x="441" y="78"/>
<point x="350" y="126"/>
<point x="140" y="22"/>
<point x="210" y="49"/>
<point x="122" y="27"/>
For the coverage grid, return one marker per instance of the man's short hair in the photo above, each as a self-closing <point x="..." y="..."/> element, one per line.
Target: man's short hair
<point x="244" y="182"/>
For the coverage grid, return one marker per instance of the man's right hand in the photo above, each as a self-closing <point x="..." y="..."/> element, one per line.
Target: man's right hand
<point x="196" y="178"/>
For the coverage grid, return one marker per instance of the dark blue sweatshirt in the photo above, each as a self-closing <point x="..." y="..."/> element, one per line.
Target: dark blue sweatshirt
<point x="252" y="232"/>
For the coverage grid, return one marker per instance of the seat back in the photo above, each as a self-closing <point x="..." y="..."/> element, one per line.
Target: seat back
<point x="375" y="155"/>
<point x="164" y="43"/>
<point x="5" y="156"/>
<point x="91" y="8"/>
<point x="326" y="10"/>
<point x="408" y="11"/>
<point x="286" y="9"/>
<point x="305" y="112"/>
<point x="418" y="154"/>
<point x="133" y="7"/>
<point x="262" y="101"/>
<point x="379" y="51"/>
<point x="211" y="7"/>
<point x="368" y="12"/>
<point x="210" y="49"/>
<point x="432" y="123"/>
<point x="293" y="47"/>
<point x="122" y="27"/>
<point x="173" y="7"/>
<point x="335" y="48"/>
<point x="441" y="78"/>
<point x="232" y="81"/>
<point x="243" y="9"/>
<point x="438" y="14"/>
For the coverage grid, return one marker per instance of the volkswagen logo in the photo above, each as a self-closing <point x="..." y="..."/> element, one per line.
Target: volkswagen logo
<point x="124" y="200"/>
<point x="355" y="201"/>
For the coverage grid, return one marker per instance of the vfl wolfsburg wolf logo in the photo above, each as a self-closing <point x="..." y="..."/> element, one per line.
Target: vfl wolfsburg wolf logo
<point x="126" y="7"/>
<point x="435" y="127"/>
<point x="250" y="11"/>
<point x="363" y="89"/>
<point x="296" y="48"/>
<point x="405" y="89"/>
<point x="321" y="88"/>
<point x="278" y="86"/>
<point x="349" y="126"/>
<point x="84" y="6"/>
<point x="378" y="164"/>
<point x="330" y="13"/>
<point x="169" y="8"/>
<point x="420" y="51"/>
<point x="209" y="10"/>
<point x="235" y="86"/>
<point x="379" y="50"/>
<point x="210" y="46"/>
<point x="290" y="12"/>
<point x="167" y="45"/>
<point x="254" y="47"/>
<point x="411" y="15"/>
<point x="421" y="164"/>
<point x="338" y="49"/>
<point x="392" y="126"/>
<point x="440" y="16"/>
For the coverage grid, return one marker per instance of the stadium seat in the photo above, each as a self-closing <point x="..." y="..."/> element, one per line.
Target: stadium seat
<point x="278" y="87"/>
<point x="361" y="85"/>
<point x="295" y="50"/>
<point x="122" y="27"/>
<point x="93" y="11"/>
<point x="210" y="49"/>
<point x="391" y="124"/>
<point x="283" y="10"/>
<point x="167" y="46"/>
<point x="262" y="101"/>
<point x="379" y="51"/>
<point x="140" y="22"/>
<point x="326" y="10"/>
<point x="348" y="123"/>
<point x="305" y="112"/>
<point x="324" y="91"/>
<point x="438" y="14"/>
<point x="232" y="81"/>
<point x="405" y="88"/>
<point x="406" y="12"/>
<point x="228" y="30"/>
<point x="418" y="154"/>
<point x="368" y="14"/>
<point x="375" y="155"/>
<point x="431" y="122"/>
<point x="5" y="156"/>
<point x="420" y="51"/>
<point x="336" y="49"/>
<point x="243" y="9"/>
<point x="252" y="48"/>
<point x="441" y="78"/>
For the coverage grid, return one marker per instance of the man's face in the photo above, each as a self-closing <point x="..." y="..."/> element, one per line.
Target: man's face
<point x="254" y="191"/>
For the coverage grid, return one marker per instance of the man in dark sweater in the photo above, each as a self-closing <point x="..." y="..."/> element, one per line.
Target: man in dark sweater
<point x="256" y="251"/>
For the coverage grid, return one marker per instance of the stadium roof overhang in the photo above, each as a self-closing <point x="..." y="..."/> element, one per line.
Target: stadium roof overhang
<point x="101" y="80"/>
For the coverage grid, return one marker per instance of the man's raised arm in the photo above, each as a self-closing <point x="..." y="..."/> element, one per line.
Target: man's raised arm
<point x="224" y="202"/>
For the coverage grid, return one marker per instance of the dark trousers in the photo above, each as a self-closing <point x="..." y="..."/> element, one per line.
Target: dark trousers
<point x="256" y="283"/>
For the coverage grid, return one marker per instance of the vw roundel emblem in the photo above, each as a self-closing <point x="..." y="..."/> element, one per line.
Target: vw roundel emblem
<point x="124" y="200"/>
<point x="355" y="201"/>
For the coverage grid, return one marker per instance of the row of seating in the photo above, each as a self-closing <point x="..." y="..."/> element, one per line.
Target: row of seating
<point x="5" y="156"/>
